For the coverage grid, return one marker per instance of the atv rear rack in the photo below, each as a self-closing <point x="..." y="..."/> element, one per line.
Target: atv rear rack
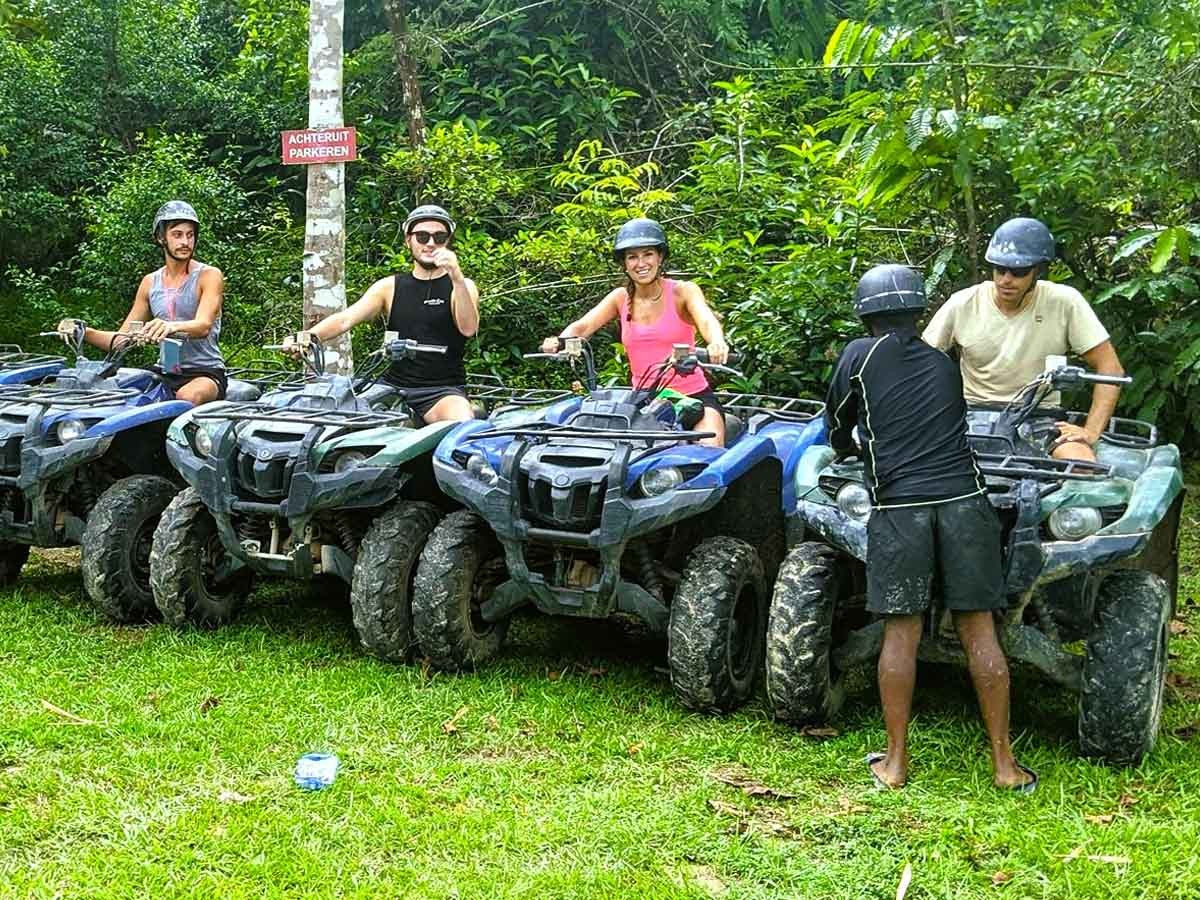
<point x="332" y="418"/>
<point x="264" y="375"/>
<point x="1041" y="468"/>
<point x="69" y="397"/>
<point x="492" y="391"/>
<point x="786" y="409"/>
<point x="13" y="357"/>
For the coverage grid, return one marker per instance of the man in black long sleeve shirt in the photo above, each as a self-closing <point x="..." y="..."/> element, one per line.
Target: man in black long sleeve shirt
<point x="930" y="516"/>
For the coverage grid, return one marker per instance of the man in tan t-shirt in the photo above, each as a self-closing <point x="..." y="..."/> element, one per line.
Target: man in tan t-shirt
<point x="1005" y="328"/>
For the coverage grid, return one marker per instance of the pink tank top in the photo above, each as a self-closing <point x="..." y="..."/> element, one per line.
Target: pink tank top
<point x="649" y="345"/>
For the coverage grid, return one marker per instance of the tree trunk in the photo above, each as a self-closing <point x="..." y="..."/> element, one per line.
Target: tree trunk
<point x="406" y="69"/>
<point x="961" y="102"/>
<point x="325" y="225"/>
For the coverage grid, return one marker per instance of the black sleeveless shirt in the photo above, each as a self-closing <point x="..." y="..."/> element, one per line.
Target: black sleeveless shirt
<point x="421" y="311"/>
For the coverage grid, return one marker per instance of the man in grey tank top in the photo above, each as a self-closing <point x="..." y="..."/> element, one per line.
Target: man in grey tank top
<point x="182" y="300"/>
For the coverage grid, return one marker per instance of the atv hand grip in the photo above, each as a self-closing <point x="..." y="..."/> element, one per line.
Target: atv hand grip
<point x="731" y="358"/>
<point x="1106" y="379"/>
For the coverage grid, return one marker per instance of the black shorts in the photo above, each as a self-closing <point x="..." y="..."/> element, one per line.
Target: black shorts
<point x="708" y="400"/>
<point x="954" y="546"/>
<point x="422" y="399"/>
<point x="175" y="382"/>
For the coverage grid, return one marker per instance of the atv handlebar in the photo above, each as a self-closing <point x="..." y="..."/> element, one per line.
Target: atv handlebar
<point x="1066" y="376"/>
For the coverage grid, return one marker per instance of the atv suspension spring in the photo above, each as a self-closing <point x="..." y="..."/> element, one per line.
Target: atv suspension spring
<point x="647" y="568"/>
<point x="347" y="533"/>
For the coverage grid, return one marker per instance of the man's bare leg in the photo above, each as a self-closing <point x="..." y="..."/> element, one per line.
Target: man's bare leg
<point x="897" y="676"/>
<point x="989" y="674"/>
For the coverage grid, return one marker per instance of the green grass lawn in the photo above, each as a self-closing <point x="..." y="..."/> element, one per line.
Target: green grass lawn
<point x="145" y="762"/>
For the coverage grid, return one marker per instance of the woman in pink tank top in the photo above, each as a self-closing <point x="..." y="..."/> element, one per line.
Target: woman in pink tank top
<point x="654" y="314"/>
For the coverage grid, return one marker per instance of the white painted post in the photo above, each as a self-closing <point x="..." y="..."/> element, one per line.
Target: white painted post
<point x="325" y="221"/>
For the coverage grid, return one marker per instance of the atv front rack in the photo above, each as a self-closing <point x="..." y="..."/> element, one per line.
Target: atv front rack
<point x="266" y="376"/>
<point x="13" y="357"/>
<point x="549" y="430"/>
<point x="786" y="409"/>
<point x="1041" y="468"/>
<point x="330" y="418"/>
<point x="69" y="397"/>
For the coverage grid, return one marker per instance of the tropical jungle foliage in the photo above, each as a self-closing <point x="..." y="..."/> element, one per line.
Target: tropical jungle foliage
<point x="786" y="145"/>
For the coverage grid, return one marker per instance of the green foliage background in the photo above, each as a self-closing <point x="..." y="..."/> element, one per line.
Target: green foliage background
<point x="787" y="146"/>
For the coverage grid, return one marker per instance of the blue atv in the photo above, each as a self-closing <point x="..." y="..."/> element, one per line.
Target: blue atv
<point x="82" y="461"/>
<point x="608" y="504"/>
<point x="19" y="367"/>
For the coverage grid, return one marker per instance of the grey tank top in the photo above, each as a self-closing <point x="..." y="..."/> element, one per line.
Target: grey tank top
<point x="179" y="305"/>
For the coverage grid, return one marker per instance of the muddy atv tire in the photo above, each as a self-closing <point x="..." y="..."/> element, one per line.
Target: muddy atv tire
<point x="116" y="546"/>
<point x="460" y="568"/>
<point x="381" y="591"/>
<point x="1125" y="669"/>
<point x="802" y="685"/>
<point x="717" y="628"/>
<point x="183" y="559"/>
<point x="12" y="558"/>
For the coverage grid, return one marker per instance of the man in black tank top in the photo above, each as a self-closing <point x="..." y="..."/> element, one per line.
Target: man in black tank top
<point x="433" y="304"/>
<point x="930" y="521"/>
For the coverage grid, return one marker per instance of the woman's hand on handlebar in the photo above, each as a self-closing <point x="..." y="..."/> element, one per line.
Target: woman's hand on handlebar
<point x="552" y="345"/>
<point x="718" y="352"/>
<point x="154" y="332"/>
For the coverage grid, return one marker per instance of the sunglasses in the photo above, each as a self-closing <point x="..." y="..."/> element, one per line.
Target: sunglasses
<point x="1015" y="271"/>
<point x="438" y="237"/>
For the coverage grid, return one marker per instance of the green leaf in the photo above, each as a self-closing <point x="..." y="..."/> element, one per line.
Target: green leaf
<point x="1134" y="242"/>
<point x="1163" y="248"/>
<point x="831" y="49"/>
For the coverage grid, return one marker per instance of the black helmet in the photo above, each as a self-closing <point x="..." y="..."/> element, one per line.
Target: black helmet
<point x="174" y="211"/>
<point x="639" y="233"/>
<point x="1019" y="243"/>
<point x="426" y="213"/>
<point x="889" y="288"/>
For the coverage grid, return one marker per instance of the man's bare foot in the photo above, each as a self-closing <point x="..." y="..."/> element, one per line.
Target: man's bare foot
<point x="888" y="773"/>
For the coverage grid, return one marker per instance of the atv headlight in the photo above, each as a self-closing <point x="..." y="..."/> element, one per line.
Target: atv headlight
<point x="658" y="481"/>
<point x="348" y="461"/>
<point x="69" y="429"/>
<point x="478" y="467"/>
<point x="1074" y="523"/>
<point x="203" y="440"/>
<point x="854" y="501"/>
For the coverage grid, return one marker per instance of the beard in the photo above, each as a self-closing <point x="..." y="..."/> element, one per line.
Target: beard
<point x="428" y="266"/>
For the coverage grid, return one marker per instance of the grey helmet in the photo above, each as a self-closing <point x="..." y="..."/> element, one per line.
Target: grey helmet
<point x="426" y="213"/>
<point x="174" y="211"/>
<point x="639" y="233"/>
<point x="1020" y="242"/>
<point x="889" y="288"/>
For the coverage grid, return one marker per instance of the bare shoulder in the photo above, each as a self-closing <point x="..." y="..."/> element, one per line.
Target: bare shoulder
<point x="688" y="290"/>
<point x="212" y="275"/>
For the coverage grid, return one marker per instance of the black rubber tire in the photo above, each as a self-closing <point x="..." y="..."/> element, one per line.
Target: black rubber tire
<point x="381" y="590"/>
<point x="186" y="546"/>
<point x="12" y="558"/>
<point x="461" y="565"/>
<point x="1125" y="669"/>
<point x="116" y="546"/>
<point x="717" y="629"/>
<point x="802" y="686"/>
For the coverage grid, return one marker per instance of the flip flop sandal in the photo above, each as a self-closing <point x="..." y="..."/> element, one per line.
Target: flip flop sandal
<point x="880" y="784"/>
<point x="1029" y="786"/>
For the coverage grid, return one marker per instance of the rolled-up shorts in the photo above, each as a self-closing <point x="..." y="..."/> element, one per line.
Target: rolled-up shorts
<point x="175" y="382"/>
<point x="953" y="547"/>
<point x="421" y="400"/>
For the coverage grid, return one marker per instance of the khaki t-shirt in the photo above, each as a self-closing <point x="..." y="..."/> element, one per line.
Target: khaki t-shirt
<point x="999" y="354"/>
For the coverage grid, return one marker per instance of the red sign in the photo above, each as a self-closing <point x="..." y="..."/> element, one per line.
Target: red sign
<point x="319" y="145"/>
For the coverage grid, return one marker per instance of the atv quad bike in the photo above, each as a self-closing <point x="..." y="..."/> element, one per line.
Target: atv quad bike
<point x="332" y="480"/>
<point x="608" y="504"/>
<point x="1089" y="556"/>
<point x="82" y="462"/>
<point x="19" y="367"/>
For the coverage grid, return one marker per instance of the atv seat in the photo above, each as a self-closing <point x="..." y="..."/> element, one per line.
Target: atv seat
<point x="380" y="395"/>
<point x="242" y="391"/>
